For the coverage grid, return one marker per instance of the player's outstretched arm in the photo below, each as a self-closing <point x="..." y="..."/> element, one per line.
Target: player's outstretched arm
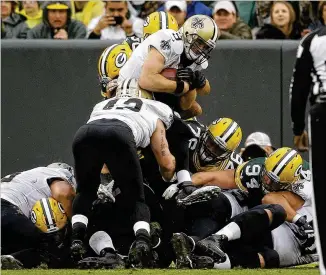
<point x="222" y="179"/>
<point x="160" y="148"/>
<point x="291" y="202"/>
<point x="151" y="78"/>
<point x="64" y="193"/>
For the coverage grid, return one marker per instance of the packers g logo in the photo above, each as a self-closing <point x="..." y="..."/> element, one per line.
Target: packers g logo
<point x="120" y="60"/>
<point x="146" y="22"/>
<point x="61" y="208"/>
<point x="33" y="217"/>
<point x="298" y="171"/>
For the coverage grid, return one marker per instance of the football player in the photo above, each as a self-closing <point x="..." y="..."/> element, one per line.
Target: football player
<point x="187" y="50"/>
<point x="259" y="238"/>
<point x="114" y="57"/>
<point x="19" y="193"/>
<point x="116" y="128"/>
<point x="281" y="172"/>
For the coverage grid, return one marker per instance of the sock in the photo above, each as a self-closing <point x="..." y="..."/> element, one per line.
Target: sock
<point x="225" y="265"/>
<point x="79" y="226"/>
<point x="232" y="231"/>
<point x="101" y="242"/>
<point x="183" y="175"/>
<point x="142" y="225"/>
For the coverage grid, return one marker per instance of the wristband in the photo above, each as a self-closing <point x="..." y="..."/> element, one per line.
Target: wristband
<point x="180" y="86"/>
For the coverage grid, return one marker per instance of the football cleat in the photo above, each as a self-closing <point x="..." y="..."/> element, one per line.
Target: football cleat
<point x="212" y="246"/>
<point x="156" y="232"/>
<point x="140" y="253"/>
<point x="108" y="261"/>
<point x="9" y="262"/>
<point x="182" y="245"/>
<point x="202" y="262"/>
<point x="200" y="195"/>
<point x="77" y="250"/>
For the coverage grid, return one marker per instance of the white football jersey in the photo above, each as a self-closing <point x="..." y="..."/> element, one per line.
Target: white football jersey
<point x="139" y="114"/>
<point x="26" y="188"/>
<point x="167" y="42"/>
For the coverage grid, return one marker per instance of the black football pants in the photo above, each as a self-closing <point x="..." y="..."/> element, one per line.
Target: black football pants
<point x="110" y="142"/>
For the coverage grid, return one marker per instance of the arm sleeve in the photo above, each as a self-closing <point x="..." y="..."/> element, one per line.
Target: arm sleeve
<point x="300" y="84"/>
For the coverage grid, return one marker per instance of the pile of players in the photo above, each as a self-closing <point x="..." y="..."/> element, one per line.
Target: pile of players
<point x="151" y="184"/>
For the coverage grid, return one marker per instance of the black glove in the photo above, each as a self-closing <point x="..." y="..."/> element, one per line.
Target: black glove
<point x="306" y="235"/>
<point x="198" y="81"/>
<point x="186" y="188"/>
<point x="185" y="74"/>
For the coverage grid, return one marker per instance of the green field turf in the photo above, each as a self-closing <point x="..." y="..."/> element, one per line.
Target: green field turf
<point x="285" y="271"/>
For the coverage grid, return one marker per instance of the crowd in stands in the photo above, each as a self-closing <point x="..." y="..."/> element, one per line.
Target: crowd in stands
<point x="116" y="20"/>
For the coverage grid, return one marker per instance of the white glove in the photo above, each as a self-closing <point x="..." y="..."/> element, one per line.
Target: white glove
<point x="104" y="192"/>
<point x="170" y="191"/>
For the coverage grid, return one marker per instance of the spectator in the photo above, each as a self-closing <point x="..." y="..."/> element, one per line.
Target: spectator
<point x="142" y="8"/>
<point x="257" y="144"/>
<point x="193" y="8"/>
<point x="116" y="23"/>
<point x="263" y="11"/>
<point x="85" y="11"/>
<point x="321" y="21"/>
<point x="12" y="24"/>
<point x="57" y="23"/>
<point x="178" y="9"/>
<point x="231" y="26"/>
<point x="282" y="23"/>
<point x="33" y="12"/>
<point x="197" y="7"/>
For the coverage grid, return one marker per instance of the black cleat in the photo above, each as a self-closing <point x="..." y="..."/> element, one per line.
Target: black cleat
<point x="182" y="246"/>
<point x="202" y="262"/>
<point x="212" y="246"/>
<point x="140" y="252"/>
<point x="199" y="195"/>
<point x="77" y="250"/>
<point x="109" y="261"/>
<point x="156" y="232"/>
<point x="9" y="262"/>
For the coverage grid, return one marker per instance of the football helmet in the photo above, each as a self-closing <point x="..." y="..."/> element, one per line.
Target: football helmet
<point x="49" y="216"/>
<point x="159" y="20"/>
<point x="282" y="168"/>
<point x="112" y="59"/>
<point x="199" y="34"/>
<point x="62" y="165"/>
<point x="222" y="137"/>
<point x="129" y="88"/>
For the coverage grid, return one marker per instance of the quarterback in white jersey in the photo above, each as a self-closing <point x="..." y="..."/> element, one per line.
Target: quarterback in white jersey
<point x="19" y="193"/>
<point x="116" y="128"/>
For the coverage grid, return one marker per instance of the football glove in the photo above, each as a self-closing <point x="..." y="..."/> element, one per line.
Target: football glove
<point x="185" y="74"/>
<point x="200" y="195"/>
<point x="198" y="81"/>
<point x="170" y="191"/>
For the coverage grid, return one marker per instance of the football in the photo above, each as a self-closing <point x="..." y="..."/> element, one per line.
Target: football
<point x="170" y="73"/>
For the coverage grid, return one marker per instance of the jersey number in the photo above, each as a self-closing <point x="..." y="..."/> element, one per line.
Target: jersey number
<point x="133" y="104"/>
<point x="253" y="170"/>
<point x="176" y="36"/>
<point x="193" y="142"/>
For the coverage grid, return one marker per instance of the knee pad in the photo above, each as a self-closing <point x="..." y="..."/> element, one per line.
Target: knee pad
<point x="279" y="215"/>
<point x="271" y="257"/>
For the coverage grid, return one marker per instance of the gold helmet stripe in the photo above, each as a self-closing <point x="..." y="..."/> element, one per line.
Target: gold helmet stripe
<point x="104" y="60"/>
<point x="229" y="131"/>
<point x="49" y="219"/>
<point x="280" y="165"/>
<point x="215" y="33"/>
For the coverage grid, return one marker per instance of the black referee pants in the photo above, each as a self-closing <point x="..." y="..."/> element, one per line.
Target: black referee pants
<point x="318" y="165"/>
<point x="110" y="142"/>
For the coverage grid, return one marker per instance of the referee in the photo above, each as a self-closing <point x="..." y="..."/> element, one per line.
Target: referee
<point x="309" y="77"/>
